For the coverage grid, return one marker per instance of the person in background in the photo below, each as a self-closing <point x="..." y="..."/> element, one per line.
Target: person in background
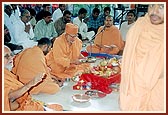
<point x="142" y="69"/>
<point x="8" y="15"/>
<point x="102" y="18"/>
<point x="108" y="39"/>
<point x="32" y="61"/>
<point x="83" y="29"/>
<point x="45" y="28"/>
<point x="61" y="22"/>
<point x="9" y="19"/>
<point x="23" y="31"/>
<point x="125" y="26"/>
<point x="64" y="57"/>
<point x="39" y="16"/>
<point x="33" y="15"/>
<point x="93" y="21"/>
<point x="58" y="13"/>
<point x="7" y="39"/>
<point x="16" y="11"/>
<point x="38" y="8"/>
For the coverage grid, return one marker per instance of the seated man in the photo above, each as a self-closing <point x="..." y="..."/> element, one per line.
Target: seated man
<point x="93" y="21"/>
<point x="16" y="95"/>
<point x="125" y="26"/>
<point x="60" y="23"/>
<point x="40" y="14"/>
<point x="45" y="28"/>
<point x="108" y="39"/>
<point x="63" y="59"/>
<point x="58" y="13"/>
<point x="106" y="12"/>
<point x="83" y="28"/>
<point x="32" y="61"/>
<point x="23" y="31"/>
<point x="7" y="39"/>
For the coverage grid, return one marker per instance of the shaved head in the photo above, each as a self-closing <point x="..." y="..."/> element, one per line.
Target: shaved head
<point x="8" y="58"/>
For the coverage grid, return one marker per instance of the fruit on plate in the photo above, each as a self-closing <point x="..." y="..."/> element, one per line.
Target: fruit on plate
<point x="105" y="68"/>
<point x="103" y="63"/>
<point x="108" y="73"/>
<point x="113" y="61"/>
<point x="116" y="69"/>
<point x="91" y="59"/>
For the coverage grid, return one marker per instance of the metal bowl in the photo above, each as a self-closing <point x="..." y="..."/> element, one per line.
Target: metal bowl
<point x="81" y="98"/>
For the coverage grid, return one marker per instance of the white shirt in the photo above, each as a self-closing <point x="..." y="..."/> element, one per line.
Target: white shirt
<point x="57" y="14"/>
<point x="9" y="22"/>
<point x="17" y="13"/>
<point x="83" y="28"/>
<point x="21" y="37"/>
<point x="124" y="29"/>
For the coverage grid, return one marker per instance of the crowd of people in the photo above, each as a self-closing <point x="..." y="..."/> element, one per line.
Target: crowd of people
<point x="50" y="45"/>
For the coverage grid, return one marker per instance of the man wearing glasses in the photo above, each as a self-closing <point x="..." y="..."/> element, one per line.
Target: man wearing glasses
<point x="23" y="31"/>
<point x="16" y="96"/>
<point x="64" y="57"/>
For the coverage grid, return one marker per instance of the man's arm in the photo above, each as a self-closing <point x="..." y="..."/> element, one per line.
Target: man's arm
<point x="13" y="95"/>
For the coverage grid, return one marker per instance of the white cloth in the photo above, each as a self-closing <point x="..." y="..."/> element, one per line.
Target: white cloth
<point x="83" y="29"/>
<point x="21" y="37"/>
<point x="57" y="14"/>
<point x="124" y="29"/>
<point x="9" y="22"/>
<point x="17" y="13"/>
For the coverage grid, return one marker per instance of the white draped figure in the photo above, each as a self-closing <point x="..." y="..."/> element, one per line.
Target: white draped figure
<point x="83" y="29"/>
<point x="23" y="31"/>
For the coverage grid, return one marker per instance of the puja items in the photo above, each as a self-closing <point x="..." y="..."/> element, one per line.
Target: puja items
<point x="100" y="77"/>
<point x="106" y="68"/>
<point x="81" y="98"/>
<point x="95" y="94"/>
<point x="88" y="60"/>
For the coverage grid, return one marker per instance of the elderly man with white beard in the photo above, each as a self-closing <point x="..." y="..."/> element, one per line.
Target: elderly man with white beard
<point x="16" y="95"/>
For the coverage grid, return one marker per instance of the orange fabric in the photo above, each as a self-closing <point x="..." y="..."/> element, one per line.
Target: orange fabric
<point x="25" y="102"/>
<point x="58" y="59"/>
<point x="71" y="29"/>
<point x="142" y="72"/>
<point x="110" y="36"/>
<point x="55" y="107"/>
<point x="30" y="63"/>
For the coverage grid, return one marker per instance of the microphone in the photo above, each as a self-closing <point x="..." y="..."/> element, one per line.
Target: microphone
<point x="90" y="41"/>
<point x="104" y="27"/>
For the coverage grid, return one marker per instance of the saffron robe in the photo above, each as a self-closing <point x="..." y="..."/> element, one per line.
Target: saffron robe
<point x="110" y="36"/>
<point x="59" y="58"/>
<point x="142" y="69"/>
<point x="30" y="63"/>
<point x="25" y="101"/>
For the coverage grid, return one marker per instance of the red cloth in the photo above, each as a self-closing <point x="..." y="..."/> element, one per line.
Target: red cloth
<point x="84" y="53"/>
<point x="98" y="82"/>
